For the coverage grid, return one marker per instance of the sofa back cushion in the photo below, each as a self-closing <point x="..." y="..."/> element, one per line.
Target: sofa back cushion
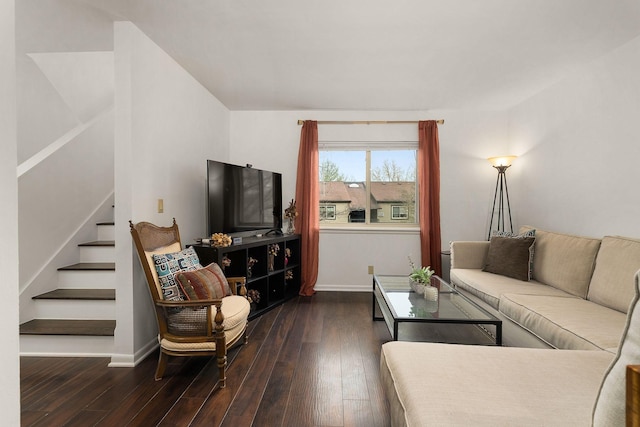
<point x="612" y="282"/>
<point x="564" y="261"/>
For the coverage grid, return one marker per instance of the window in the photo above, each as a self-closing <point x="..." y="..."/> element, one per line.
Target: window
<point x="399" y="212"/>
<point x="327" y="212"/>
<point x="367" y="185"/>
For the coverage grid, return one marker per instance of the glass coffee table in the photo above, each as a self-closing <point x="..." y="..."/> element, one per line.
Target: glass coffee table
<point x="453" y="318"/>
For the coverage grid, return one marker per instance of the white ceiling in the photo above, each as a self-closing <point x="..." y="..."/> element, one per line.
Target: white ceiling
<point x="380" y="55"/>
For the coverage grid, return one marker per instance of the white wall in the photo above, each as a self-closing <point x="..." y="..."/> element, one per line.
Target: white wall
<point x="579" y="145"/>
<point x="9" y="360"/>
<point x="65" y="135"/>
<point x="166" y="126"/>
<point x="270" y="140"/>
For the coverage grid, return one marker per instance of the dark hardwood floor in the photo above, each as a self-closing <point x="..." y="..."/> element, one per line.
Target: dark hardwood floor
<point x="313" y="361"/>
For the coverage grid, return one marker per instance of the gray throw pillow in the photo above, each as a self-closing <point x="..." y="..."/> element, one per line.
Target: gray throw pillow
<point x="510" y="256"/>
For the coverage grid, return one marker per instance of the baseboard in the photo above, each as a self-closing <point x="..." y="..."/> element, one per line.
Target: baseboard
<point x="129" y="360"/>
<point x="343" y="288"/>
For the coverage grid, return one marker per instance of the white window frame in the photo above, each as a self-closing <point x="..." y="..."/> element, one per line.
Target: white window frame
<point x="328" y="207"/>
<point x="404" y="208"/>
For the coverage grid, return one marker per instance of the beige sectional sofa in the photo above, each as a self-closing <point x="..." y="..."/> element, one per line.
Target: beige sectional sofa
<point x="577" y="299"/>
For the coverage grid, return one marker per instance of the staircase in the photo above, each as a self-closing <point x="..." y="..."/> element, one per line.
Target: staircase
<point x="77" y="318"/>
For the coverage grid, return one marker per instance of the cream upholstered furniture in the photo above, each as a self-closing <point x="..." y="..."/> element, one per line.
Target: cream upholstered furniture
<point x="460" y="385"/>
<point x="189" y="325"/>
<point x="577" y="297"/>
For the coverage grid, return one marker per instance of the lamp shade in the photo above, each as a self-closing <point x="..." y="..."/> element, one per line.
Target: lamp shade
<point x="501" y="160"/>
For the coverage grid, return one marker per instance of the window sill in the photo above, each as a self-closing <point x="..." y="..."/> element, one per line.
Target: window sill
<point x="370" y="229"/>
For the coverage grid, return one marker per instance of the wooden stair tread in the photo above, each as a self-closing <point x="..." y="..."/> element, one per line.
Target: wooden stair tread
<point x="79" y="294"/>
<point x="68" y="327"/>
<point x="89" y="266"/>
<point x="99" y="243"/>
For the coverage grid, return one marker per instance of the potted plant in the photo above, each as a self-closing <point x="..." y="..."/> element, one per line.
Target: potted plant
<point x="420" y="280"/>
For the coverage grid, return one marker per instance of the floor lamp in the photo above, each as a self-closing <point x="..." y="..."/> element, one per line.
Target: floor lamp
<point x="501" y="194"/>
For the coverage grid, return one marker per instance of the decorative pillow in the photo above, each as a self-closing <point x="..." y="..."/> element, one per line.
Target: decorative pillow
<point x="510" y="256"/>
<point x="167" y="265"/>
<point x="528" y="233"/>
<point x="205" y="283"/>
<point x="523" y="234"/>
<point x="609" y="409"/>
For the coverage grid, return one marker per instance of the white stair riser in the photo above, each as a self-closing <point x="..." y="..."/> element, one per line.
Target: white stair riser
<point x="66" y="346"/>
<point x="75" y="309"/>
<point x="106" y="232"/>
<point x="73" y="279"/>
<point x="97" y="253"/>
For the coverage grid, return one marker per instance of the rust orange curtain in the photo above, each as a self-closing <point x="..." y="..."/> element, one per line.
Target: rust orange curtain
<point x="429" y="194"/>
<point x="307" y="201"/>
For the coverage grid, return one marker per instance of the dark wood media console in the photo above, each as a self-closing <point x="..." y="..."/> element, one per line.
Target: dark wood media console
<point x="275" y="276"/>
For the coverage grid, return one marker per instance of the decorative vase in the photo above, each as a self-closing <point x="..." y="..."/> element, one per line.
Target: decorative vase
<point x="290" y="227"/>
<point x="430" y="293"/>
<point x="417" y="287"/>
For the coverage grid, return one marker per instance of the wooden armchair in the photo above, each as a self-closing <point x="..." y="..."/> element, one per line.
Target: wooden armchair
<point x="196" y="327"/>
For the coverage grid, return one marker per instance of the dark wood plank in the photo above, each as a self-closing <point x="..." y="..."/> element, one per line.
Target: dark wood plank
<point x="68" y="327"/>
<point x="358" y="413"/>
<point x="79" y="294"/>
<point x="50" y="382"/>
<point x="119" y="388"/>
<point x="37" y="372"/>
<point x="136" y="400"/>
<point x="319" y="385"/>
<point x="276" y="395"/>
<point x="99" y="243"/>
<point x="84" y="418"/>
<point x="182" y="412"/>
<point x="90" y="266"/>
<point x="245" y="405"/>
<point x="157" y="407"/>
<point x="215" y="408"/>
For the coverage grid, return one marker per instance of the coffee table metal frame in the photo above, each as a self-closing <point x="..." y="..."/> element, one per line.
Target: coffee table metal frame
<point x="384" y="285"/>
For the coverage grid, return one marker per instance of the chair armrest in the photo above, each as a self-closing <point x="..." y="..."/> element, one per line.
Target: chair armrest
<point x="633" y="394"/>
<point x="191" y="303"/>
<point x="467" y="254"/>
<point x="213" y="320"/>
<point x="234" y="282"/>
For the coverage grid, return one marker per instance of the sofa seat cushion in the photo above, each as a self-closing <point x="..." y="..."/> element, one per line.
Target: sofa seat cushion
<point x="489" y="287"/>
<point x="566" y="322"/>
<point x="447" y="384"/>
<point x="193" y="322"/>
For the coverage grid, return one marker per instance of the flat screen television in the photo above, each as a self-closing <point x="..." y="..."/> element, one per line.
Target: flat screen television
<point x="242" y="200"/>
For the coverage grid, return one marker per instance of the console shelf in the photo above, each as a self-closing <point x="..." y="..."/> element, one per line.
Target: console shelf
<point x="274" y="271"/>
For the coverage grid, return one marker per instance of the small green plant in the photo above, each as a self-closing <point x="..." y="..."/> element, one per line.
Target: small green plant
<point x="420" y="275"/>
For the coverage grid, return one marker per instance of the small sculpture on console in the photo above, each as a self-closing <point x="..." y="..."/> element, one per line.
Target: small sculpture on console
<point x="291" y="213"/>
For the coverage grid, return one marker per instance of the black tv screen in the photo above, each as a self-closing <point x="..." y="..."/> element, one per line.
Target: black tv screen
<point x="242" y="200"/>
